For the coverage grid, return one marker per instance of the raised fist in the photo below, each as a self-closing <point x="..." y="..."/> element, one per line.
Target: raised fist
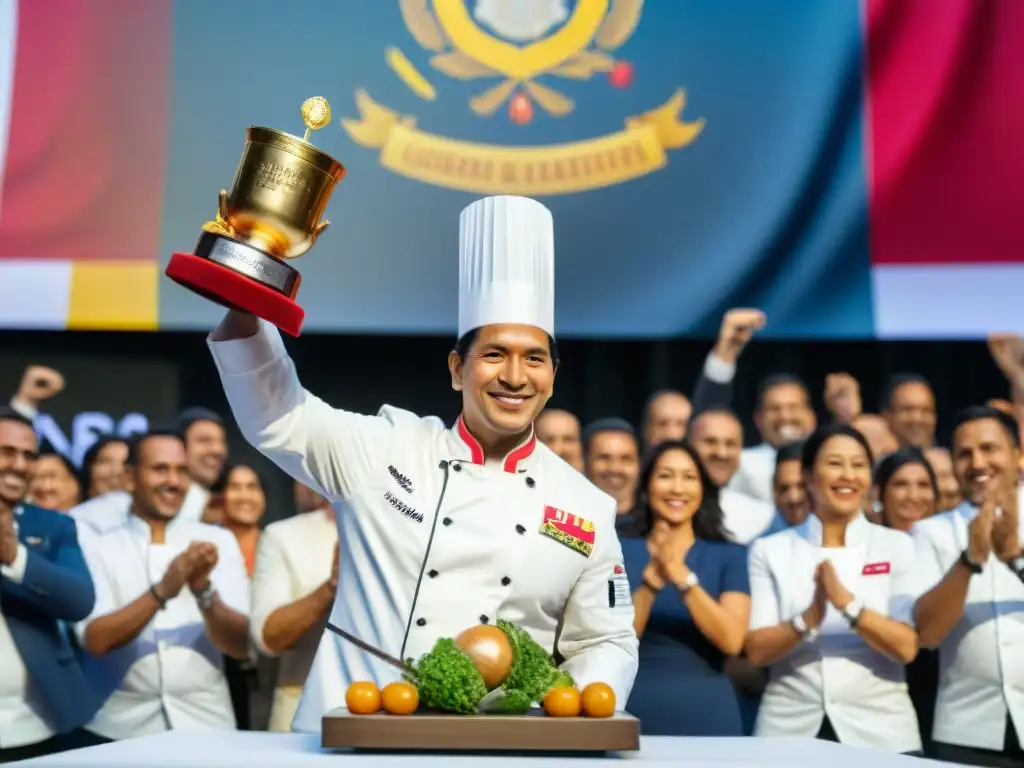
<point x="737" y="329"/>
<point x="39" y="383"/>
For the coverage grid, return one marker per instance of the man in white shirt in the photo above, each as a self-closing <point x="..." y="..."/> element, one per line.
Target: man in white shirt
<point x="971" y="562"/>
<point x="293" y="589"/>
<point x="717" y="436"/>
<point x="172" y="596"/>
<point x="205" y="454"/>
<point x="442" y="529"/>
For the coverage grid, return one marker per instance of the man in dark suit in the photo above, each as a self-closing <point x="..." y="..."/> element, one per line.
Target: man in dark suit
<point x="44" y="582"/>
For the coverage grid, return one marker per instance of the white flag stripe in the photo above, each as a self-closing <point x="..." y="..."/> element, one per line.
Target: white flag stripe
<point x="949" y="301"/>
<point x="34" y="293"/>
<point x="8" y="54"/>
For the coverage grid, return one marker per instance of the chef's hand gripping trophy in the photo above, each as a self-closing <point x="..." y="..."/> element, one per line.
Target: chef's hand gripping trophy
<point x="271" y="215"/>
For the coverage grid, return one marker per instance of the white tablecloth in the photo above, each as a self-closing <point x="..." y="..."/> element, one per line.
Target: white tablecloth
<point x="227" y="749"/>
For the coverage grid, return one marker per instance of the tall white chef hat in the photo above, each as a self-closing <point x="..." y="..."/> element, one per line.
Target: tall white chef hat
<point x="506" y="264"/>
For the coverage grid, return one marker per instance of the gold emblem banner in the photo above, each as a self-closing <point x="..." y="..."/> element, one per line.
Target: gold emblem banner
<point x="556" y="169"/>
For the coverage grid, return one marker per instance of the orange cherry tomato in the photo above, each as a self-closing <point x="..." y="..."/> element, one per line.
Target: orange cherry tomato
<point x="362" y="698"/>
<point x="400" y="698"/>
<point x="598" y="700"/>
<point x="562" y="702"/>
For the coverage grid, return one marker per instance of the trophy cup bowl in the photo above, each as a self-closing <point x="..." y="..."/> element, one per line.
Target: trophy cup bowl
<point x="271" y="214"/>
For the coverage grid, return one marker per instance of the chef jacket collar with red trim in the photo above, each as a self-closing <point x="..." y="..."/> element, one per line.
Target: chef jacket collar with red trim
<point x="469" y="448"/>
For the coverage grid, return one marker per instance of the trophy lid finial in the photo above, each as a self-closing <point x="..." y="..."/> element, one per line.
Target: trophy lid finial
<point x="316" y="113"/>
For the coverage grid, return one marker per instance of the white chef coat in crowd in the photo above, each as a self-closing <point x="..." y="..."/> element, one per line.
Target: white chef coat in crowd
<point x="756" y="475"/>
<point x="293" y="558"/>
<point x="106" y="511"/>
<point x="981" y="662"/>
<point x="745" y="517"/>
<point x="434" y="539"/>
<point x="863" y="693"/>
<point x="170" y="677"/>
<point x="22" y="720"/>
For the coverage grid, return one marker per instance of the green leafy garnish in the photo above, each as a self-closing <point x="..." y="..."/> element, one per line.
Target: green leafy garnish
<point x="533" y="671"/>
<point x="447" y="679"/>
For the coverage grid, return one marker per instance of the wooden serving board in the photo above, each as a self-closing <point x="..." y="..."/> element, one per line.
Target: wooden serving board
<point x="532" y="732"/>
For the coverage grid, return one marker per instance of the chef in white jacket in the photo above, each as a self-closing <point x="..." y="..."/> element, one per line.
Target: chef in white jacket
<point x="445" y="528"/>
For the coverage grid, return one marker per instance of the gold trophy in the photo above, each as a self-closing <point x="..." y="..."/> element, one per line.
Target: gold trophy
<point x="271" y="215"/>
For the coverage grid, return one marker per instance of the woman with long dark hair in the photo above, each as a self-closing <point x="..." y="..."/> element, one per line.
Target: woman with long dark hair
<point x="908" y="491"/>
<point x="238" y="502"/>
<point x="691" y="600"/>
<point x="103" y="466"/>
<point x="831" y="612"/>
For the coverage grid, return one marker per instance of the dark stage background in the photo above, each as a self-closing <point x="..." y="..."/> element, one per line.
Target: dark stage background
<point x="157" y="373"/>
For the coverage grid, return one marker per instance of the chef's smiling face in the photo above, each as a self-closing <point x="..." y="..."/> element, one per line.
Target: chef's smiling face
<point x="18" y="449"/>
<point x="840" y="478"/>
<point x="506" y="376"/>
<point x="984" y="458"/>
<point x="159" y="481"/>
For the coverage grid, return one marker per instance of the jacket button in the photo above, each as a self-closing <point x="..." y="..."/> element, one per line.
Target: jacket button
<point x="483" y="619"/>
<point x="446" y="521"/>
<point x="530" y="482"/>
<point x="432" y="573"/>
<point x="457" y="467"/>
<point x="421" y="622"/>
<point x="505" y="581"/>
<point x="520" y="529"/>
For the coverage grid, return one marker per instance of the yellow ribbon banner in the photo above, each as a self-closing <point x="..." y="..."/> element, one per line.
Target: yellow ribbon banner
<point x="555" y="169"/>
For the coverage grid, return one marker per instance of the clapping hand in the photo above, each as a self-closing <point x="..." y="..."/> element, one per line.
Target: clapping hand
<point x="1006" y="525"/>
<point x="832" y="587"/>
<point x="203" y="559"/>
<point x="175" y="576"/>
<point x="667" y="562"/>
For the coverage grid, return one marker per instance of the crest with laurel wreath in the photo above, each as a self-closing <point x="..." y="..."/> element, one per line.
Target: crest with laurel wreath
<point x="596" y="57"/>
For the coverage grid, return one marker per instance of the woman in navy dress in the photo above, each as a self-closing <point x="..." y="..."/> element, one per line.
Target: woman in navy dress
<point x="691" y="596"/>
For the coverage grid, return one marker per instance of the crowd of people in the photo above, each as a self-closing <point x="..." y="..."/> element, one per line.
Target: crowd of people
<point x="852" y="581"/>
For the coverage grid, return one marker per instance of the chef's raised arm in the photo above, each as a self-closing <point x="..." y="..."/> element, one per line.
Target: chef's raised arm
<point x="330" y="450"/>
<point x="597" y="640"/>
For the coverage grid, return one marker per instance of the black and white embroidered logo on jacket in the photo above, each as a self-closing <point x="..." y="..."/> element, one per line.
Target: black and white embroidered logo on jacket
<point x="402" y="507"/>
<point x="403" y="482"/>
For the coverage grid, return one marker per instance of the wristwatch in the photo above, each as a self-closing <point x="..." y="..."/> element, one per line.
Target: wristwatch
<point x="689" y="582"/>
<point x="802" y="629"/>
<point x="206" y="596"/>
<point x="853" y="611"/>
<point x="970" y="565"/>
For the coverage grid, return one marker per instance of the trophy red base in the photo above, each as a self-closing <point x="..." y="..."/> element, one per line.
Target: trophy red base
<point x="239" y="276"/>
